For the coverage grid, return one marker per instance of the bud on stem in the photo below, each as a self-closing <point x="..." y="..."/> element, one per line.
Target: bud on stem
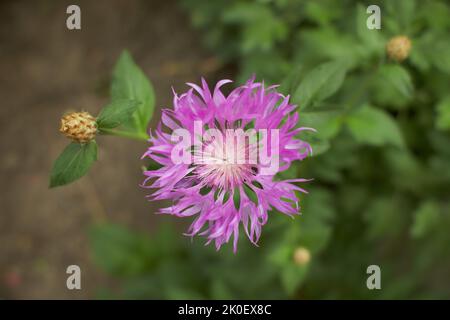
<point x="398" y="48"/>
<point x="79" y="126"/>
<point x="302" y="256"/>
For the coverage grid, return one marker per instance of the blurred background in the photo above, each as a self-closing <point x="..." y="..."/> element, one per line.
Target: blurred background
<point x="381" y="167"/>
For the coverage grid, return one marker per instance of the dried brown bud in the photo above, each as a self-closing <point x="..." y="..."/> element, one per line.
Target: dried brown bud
<point x="79" y="126"/>
<point x="302" y="256"/>
<point x="398" y="48"/>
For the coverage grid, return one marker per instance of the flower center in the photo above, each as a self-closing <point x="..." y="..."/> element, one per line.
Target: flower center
<point x="226" y="161"/>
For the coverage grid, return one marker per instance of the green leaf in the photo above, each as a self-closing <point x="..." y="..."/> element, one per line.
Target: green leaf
<point x="385" y="216"/>
<point x="73" y="163"/>
<point x="420" y="56"/>
<point x="322" y="14"/>
<point x="327" y="123"/>
<point x="397" y="77"/>
<point x="407" y="171"/>
<point x="426" y="218"/>
<point x="329" y="44"/>
<point x="292" y="276"/>
<point x="374" y="127"/>
<point x="116" y="112"/>
<point x="129" y="82"/>
<point x="318" y="145"/>
<point x="436" y="14"/>
<point x="401" y="14"/>
<point x="260" y="26"/>
<point x="392" y="87"/>
<point x="292" y="80"/>
<point x="443" y="114"/>
<point x="320" y="83"/>
<point x="318" y="212"/>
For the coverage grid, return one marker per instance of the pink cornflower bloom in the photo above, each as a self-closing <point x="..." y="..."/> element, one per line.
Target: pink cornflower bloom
<point x="224" y="178"/>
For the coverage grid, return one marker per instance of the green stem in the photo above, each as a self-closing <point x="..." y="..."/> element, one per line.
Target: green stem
<point x="126" y="134"/>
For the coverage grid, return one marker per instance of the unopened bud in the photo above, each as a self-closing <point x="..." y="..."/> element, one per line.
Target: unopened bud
<point x="79" y="126"/>
<point x="398" y="48"/>
<point x="302" y="256"/>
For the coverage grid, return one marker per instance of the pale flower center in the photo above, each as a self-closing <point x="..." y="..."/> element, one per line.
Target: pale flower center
<point x="226" y="162"/>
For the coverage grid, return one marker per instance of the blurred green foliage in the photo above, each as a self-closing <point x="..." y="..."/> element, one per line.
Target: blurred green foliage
<point x="130" y="110"/>
<point x="381" y="168"/>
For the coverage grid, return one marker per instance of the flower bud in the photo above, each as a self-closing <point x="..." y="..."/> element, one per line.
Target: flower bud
<point x="398" y="48"/>
<point x="79" y="126"/>
<point x="302" y="256"/>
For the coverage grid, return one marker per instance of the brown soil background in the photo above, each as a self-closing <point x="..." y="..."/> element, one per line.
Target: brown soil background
<point x="46" y="70"/>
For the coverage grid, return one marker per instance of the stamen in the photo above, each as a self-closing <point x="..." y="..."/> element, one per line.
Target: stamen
<point x="220" y="163"/>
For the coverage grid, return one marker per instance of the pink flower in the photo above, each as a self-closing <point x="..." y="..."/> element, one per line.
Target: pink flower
<point x="210" y="170"/>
